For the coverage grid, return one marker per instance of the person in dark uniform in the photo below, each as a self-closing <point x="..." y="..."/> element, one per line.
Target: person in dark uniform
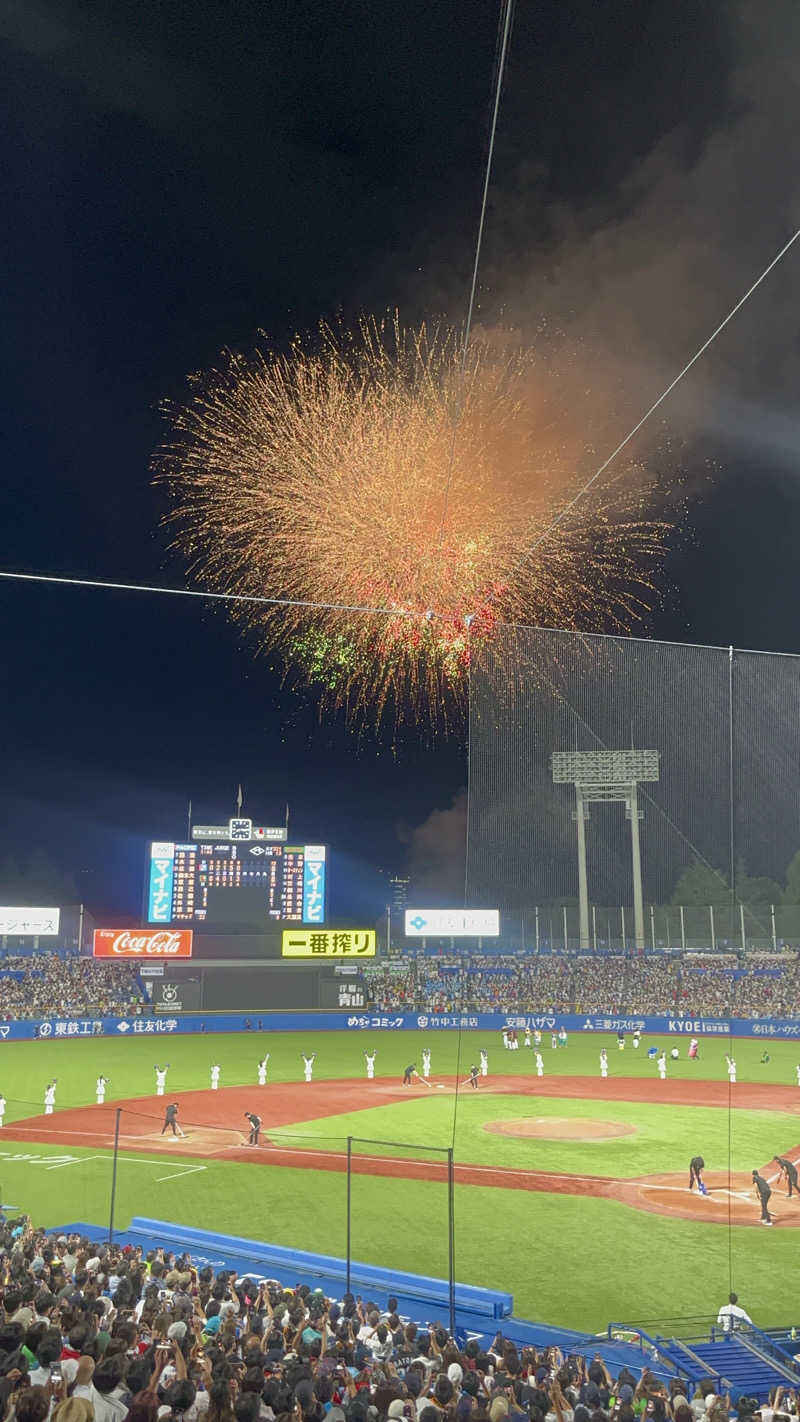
<point x="789" y="1171"/>
<point x="409" y="1072"/>
<point x="763" y="1191"/>
<point x="171" y="1120"/>
<point x="255" y="1127"/>
<point x="696" y="1167"/>
<point x="473" y="1077"/>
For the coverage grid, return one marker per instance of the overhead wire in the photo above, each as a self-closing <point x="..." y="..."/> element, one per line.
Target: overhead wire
<point x="111" y="585"/>
<point x="504" y="32"/>
<point x="506" y="15"/>
<point x="600" y="471"/>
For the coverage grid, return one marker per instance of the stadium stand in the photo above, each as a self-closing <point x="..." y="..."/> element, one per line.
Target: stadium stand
<point x="136" y="1329"/>
<point x="693" y="984"/>
<point x="51" y="984"/>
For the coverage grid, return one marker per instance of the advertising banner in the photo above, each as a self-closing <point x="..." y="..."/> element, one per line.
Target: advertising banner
<point x="142" y="943"/>
<point x="328" y="943"/>
<point x="654" y="1030"/>
<point x="33" y="922"/>
<point x="452" y="923"/>
<point x="183" y="996"/>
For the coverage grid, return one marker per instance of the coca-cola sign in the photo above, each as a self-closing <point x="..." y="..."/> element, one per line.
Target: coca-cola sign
<point x="143" y="943"/>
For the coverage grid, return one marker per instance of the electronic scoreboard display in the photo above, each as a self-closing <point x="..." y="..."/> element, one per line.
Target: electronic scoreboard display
<point x="185" y="881"/>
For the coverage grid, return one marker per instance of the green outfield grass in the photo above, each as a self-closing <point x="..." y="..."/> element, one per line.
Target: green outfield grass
<point x="26" y="1067"/>
<point x="659" y="1142"/>
<point x="574" y="1261"/>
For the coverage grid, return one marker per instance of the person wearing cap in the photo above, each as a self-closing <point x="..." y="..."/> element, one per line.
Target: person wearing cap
<point x="255" y="1127"/>
<point x="171" y="1120"/>
<point x="73" y="1409"/>
<point x="789" y="1172"/>
<point x="409" y="1073"/>
<point x="696" y="1167"/>
<point x="763" y="1191"/>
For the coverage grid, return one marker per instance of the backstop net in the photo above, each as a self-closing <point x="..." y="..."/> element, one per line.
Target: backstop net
<point x="596" y="762"/>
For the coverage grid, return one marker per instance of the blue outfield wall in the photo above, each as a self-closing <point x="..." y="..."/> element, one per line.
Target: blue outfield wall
<point x="61" y="1029"/>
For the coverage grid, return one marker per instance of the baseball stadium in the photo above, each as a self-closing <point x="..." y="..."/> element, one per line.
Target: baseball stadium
<point x="575" y="1123"/>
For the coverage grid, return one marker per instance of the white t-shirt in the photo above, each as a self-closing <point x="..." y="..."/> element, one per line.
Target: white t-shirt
<point x="730" y="1315"/>
<point x="107" y="1406"/>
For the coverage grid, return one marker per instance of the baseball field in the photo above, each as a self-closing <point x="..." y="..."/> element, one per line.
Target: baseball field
<point x="571" y="1190"/>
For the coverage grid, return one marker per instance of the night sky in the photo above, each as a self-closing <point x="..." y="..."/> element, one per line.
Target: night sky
<point x="178" y="176"/>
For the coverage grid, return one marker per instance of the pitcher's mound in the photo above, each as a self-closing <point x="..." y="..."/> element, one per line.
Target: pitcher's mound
<point x="561" y="1128"/>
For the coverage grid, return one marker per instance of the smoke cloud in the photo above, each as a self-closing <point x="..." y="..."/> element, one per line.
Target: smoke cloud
<point x="436" y="856"/>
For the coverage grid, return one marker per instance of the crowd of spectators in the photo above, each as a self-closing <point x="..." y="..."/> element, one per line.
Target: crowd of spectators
<point x="102" y="1334"/>
<point x="46" y="985"/>
<point x="692" y="985"/>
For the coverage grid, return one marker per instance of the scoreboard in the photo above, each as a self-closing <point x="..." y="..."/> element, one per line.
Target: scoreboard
<point x="289" y="882"/>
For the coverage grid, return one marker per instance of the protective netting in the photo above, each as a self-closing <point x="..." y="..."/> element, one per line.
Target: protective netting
<point x="390" y="1225"/>
<point x="718" y="829"/>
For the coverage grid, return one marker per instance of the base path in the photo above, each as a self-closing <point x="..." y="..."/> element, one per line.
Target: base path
<point x="215" y="1128"/>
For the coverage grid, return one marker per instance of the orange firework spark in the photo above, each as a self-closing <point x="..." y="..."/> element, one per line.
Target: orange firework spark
<point x="374" y="472"/>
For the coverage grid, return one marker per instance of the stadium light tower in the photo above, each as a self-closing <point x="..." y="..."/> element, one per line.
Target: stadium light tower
<point x="613" y="777"/>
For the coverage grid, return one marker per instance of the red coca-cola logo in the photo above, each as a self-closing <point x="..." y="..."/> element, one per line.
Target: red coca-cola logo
<point x="139" y="943"/>
<point x="157" y="943"/>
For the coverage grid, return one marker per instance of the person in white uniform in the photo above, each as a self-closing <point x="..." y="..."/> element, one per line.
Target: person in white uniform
<point x="539" y="1064"/>
<point x="215" y="1071"/>
<point x="161" y="1079"/>
<point x="604" y="1062"/>
<point x="308" y="1065"/>
<point x="484" y="1062"/>
<point x="662" y="1065"/>
<point x="49" y="1098"/>
<point x="369" y="1058"/>
<point x="426" y="1062"/>
<point x="262" y="1070"/>
<point x="100" y="1089"/>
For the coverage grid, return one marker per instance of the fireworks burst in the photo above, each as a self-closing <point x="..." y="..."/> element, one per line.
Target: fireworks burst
<point x="373" y="473"/>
